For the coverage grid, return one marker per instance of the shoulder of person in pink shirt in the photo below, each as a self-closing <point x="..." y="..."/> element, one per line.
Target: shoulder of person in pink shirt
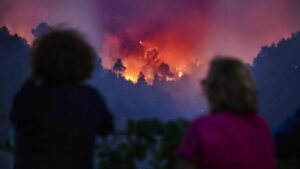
<point x="220" y="138"/>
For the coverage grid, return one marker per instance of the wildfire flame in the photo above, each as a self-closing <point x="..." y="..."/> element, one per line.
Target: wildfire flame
<point x="167" y="57"/>
<point x="151" y="66"/>
<point x="161" y="38"/>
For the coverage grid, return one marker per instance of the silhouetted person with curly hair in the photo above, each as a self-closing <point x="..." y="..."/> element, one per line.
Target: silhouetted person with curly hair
<point x="56" y="115"/>
<point x="233" y="135"/>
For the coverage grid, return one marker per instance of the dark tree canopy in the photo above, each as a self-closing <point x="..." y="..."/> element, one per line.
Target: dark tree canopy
<point x="141" y="78"/>
<point x="14" y="67"/>
<point x="277" y="73"/>
<point x="164" y="70"/>
<point x="118" y="67"/>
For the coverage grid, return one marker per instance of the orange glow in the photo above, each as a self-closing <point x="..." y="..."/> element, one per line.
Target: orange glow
<point x="184" y="33"/>
<point x="130" y="77"/>
<point x="168" y="56"/>
<point x="22" y="31"/>
<point x="180" y="74"/>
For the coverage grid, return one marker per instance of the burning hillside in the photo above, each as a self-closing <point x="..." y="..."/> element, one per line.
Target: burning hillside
<point x="154" y="43"/>
<point x="161" y="38"/>
<point x="167" y="58"/>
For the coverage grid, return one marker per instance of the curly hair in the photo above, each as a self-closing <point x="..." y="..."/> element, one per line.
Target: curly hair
<point x="62" y="57"/>
<point x="230" y="87"/>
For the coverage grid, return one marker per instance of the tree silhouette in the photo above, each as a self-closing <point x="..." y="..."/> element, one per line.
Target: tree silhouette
<point x="141" y="79"/>
<point x="118" y="67"/>
<point x="14" y="67"/>
<point x="277" y="73"/>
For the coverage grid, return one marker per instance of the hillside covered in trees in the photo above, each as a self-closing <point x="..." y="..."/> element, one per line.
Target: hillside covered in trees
<point x="277" y="72"/>
<point x="14" y="67"/>
<point x="125" y="99"/>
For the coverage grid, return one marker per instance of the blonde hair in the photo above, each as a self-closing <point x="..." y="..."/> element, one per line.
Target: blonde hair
<point x="230" y="87"/>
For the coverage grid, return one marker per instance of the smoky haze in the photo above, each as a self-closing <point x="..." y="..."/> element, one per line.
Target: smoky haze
<point x="202" y="22"/>
<point x="185" y="34"/>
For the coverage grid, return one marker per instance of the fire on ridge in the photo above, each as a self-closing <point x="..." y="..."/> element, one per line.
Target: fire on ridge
<point x="166" y="56"/>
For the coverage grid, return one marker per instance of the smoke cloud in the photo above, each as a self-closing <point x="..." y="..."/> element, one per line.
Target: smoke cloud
<point x="237" y="27"/>
<point x="243" y="26"/>
<point x="173" y="38"/>
<point x="146" y="33"/>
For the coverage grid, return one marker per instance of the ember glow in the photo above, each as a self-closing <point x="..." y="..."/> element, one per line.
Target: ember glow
<point x="160" y="57"/>
<point x="151" y="40"/>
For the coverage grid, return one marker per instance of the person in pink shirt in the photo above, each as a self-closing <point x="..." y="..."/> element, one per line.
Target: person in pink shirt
<point x="233" y="135"/>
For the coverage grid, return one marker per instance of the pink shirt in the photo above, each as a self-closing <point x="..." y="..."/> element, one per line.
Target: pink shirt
<point x="227" y="141"/>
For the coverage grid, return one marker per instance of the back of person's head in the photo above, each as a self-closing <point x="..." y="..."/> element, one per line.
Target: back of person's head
<point x="62" y="57"/>
<point x="230" y="87"/>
